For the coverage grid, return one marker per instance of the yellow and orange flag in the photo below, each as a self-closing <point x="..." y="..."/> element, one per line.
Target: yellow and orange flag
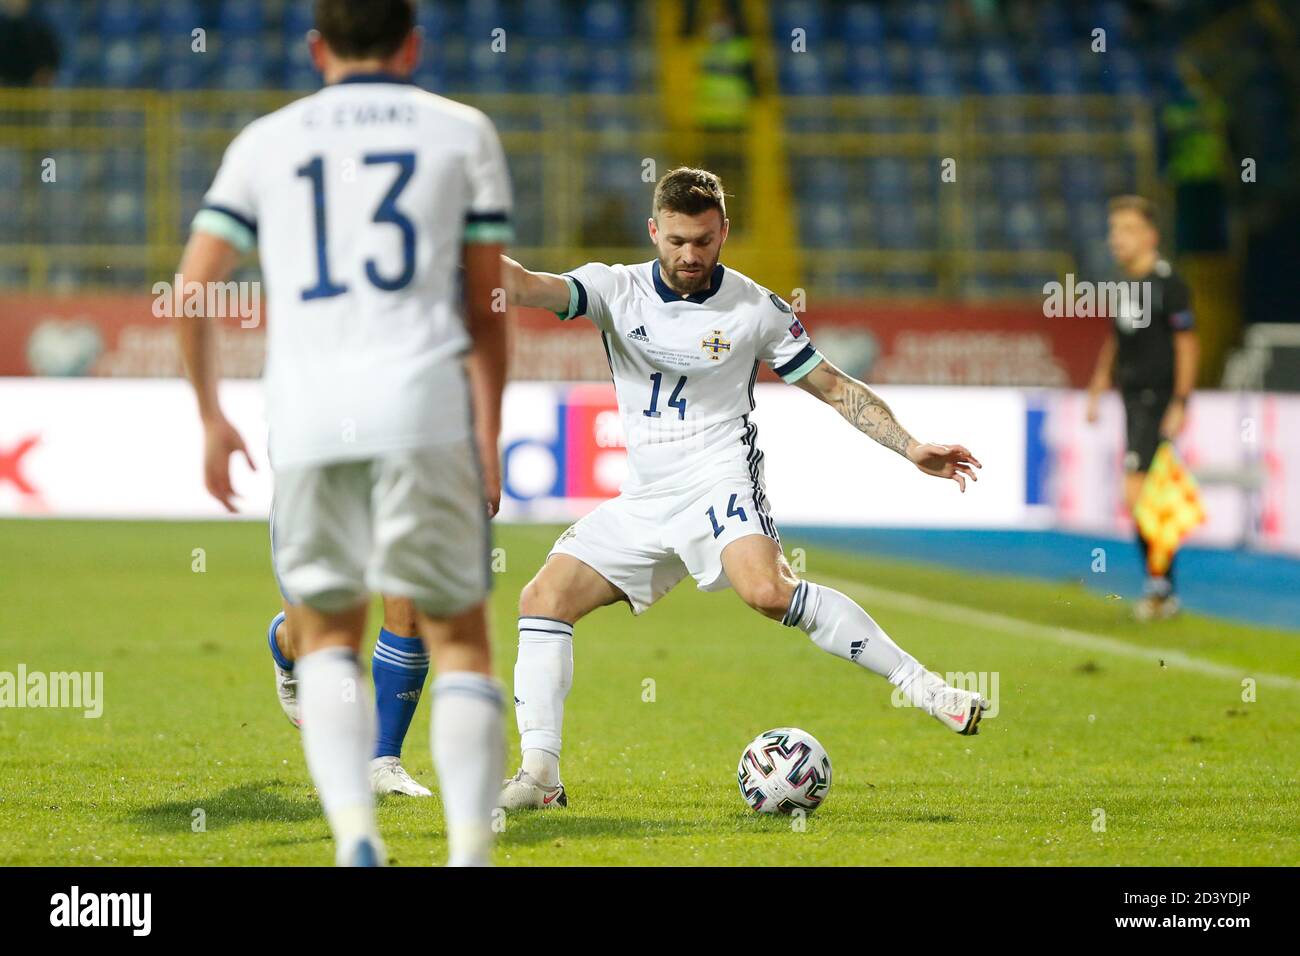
<point x="1168" y="509"/>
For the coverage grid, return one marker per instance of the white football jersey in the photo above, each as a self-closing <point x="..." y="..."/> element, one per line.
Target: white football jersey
<point x="684" y="367"/>
<point x="358" y="199"/>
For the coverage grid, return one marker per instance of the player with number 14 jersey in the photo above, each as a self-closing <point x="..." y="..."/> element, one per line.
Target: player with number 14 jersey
<point x="685" y="336"/>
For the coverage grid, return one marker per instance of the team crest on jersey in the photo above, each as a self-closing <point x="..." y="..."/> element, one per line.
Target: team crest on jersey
<point x="778" y="302"/>
<point x="796" y="329"/>
<point x="715" y="345"/>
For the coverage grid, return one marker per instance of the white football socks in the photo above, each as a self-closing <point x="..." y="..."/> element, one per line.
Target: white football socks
<point x="338" y="736"/>
<point x="543" y="676"/>
<point x="839" y="626"/>
<point x="469" y="755"/>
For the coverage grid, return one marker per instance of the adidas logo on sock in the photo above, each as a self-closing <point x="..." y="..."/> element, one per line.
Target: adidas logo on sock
<point x="409" y="694"/>
<point x="639" y="334"/>
<point x="856" y="648"/>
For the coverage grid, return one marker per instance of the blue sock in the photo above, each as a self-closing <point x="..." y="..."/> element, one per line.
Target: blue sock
<point x="399" y="667"/>
<point x="275" y="648"/>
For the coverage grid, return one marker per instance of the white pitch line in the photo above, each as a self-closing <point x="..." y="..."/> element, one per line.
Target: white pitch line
<point x="1099" y="643"/>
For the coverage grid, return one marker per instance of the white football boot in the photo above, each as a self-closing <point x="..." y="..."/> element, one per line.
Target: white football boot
<point x="286" y="685"/>
<point x="522" y="792"/>
<point x="957" y="709"/>
<point x="387" y="775"/>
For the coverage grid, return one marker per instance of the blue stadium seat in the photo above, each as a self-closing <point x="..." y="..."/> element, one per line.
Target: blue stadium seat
<point x="1081" y="179"/>
<point x="1052" y="26"/>
<point x="1122" y="74"/>
<point x="127" y="19"/>
<point x="920" y="23"/>
<point x="489" y="72"/>
<point x="129" y="62"/>
<point x="545" y="20"/>
<point x="182" y="68"/>
<point x="866" y="71"/>
<point x="1014" y="178"/>
<point x="240" y="18"/>
<point x="936" y="74"/>
<point x="548" y="68"/>
<point x="1059" y="72"/>
<point x="605" y="21"/>
<point x="862" y="24"/>
<point x="179" y="17"/>
<point x="483" y="18"/>
<point x="896" y="225"/>
<point x="609" y="70"/>
<point x="888" y="179"/>
<point x="805" y="74"/>
<point x="1023" y="225"/>
<point x="825" y="224"/>
<point x="805" y="15"/>
<point x="85" y="62"/>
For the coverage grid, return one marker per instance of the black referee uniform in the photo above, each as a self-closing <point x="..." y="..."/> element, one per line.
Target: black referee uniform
<point x="1144" y="360"/>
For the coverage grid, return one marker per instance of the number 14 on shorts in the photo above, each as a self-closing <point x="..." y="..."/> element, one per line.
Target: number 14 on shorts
<point x="732" y="512"/>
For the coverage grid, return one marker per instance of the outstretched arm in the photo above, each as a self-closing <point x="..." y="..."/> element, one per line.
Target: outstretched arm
<point x="540" y="290"/>
<point x="209" y="259"/>
<point x="867" y="412"/>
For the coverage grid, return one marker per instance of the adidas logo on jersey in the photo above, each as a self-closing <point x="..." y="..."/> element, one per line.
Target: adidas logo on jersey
<point x="638" y="334"/>
<point x="856" y="648"/>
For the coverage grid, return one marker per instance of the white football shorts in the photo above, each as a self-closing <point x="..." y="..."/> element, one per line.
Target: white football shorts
<point x="411" y="524"/>
<point x="645" y="545"/>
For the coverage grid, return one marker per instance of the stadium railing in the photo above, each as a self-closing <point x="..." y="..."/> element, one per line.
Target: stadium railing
<point x="126" y="170"/>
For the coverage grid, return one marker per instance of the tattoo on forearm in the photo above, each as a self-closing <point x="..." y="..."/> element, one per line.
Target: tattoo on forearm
<point x="867" y="412"/>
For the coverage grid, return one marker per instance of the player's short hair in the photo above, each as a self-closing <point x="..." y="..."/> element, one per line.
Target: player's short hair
<point x="690" y="192"/>
<point x="1139" y="204"/>
<point x="364" y="29"/>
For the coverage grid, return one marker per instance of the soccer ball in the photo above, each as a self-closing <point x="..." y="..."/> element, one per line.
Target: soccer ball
<point x="783" y="770"/>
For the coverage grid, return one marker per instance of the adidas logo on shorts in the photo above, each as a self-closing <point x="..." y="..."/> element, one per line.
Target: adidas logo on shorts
<point x="638" y="334"/>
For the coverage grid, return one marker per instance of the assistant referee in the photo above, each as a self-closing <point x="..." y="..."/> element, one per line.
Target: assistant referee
<point x="1151" y="356"/>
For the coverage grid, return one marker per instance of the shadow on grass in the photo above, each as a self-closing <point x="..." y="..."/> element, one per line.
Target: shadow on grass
<point x="246" y="803"/>
<point x="548" y="826"/>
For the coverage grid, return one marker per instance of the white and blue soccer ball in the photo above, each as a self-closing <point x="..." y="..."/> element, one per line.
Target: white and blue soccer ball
<point x="784" y="770"/>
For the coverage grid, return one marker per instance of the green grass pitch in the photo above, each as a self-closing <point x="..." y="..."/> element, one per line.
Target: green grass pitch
<point x="192" y="762"/>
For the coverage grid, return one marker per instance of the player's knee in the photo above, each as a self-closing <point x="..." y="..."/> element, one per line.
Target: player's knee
<point x="540" y="598"/>
<point x="770" y="597"/>
<point x="400" y="617"/>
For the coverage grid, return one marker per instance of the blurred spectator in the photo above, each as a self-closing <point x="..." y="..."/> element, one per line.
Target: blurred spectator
<point x="726" y="88"/>
<point x="726" y="76"/>
<point x="29" y="50"/>
<point x="1196" y="164"/>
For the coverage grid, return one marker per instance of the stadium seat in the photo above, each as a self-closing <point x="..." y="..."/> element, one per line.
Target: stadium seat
<point x="605" y="21"/>
<point x="545" y="20"/>
<point x="862" y="25"/>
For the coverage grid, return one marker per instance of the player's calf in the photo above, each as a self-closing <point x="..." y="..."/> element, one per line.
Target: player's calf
<point x="837" y="625"/>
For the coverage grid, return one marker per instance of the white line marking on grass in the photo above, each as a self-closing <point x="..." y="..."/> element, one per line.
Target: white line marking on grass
<point x="1099" y="643"/>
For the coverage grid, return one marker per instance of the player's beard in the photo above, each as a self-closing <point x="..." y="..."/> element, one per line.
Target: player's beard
<point x="687" y="284"/>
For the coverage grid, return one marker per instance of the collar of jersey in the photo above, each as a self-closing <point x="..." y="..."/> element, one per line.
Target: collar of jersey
<point x="668" y="295"/>
<point x="374" y="78"/>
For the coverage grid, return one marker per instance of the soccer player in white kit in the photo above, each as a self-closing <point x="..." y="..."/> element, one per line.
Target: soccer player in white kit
<point x="684" y="336"/>
<point x="364" y="200"/>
